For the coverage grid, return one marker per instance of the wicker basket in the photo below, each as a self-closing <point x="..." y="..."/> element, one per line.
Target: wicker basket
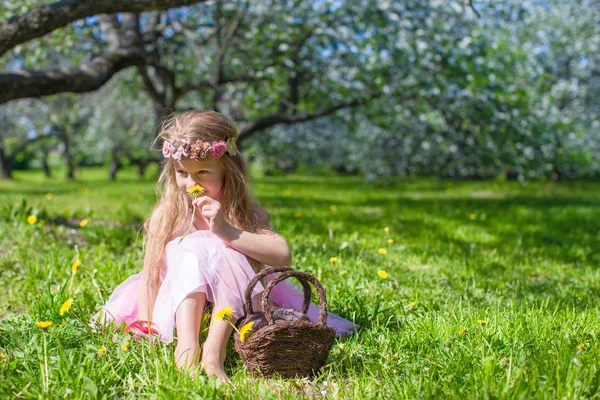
<point x="284" y="342"/>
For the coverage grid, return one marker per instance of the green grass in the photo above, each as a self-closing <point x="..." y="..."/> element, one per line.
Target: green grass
<point x="492" y="288"/>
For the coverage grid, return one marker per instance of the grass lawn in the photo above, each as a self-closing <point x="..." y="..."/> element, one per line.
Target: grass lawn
<point x="492" y="289"/>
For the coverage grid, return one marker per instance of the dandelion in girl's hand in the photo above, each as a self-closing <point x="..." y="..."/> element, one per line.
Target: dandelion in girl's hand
<point x="102" y="350"/>
<point x="65" y="307"/>
<point x="83" y="222"/>
<point x="246" y="331"/>
<point x="75" y="265"/>
<point x="193" y="191"/>
<point x="225" y="314"/>
<point x="43" y="324"/>
<point x="382" y="251"/>
<point x="32" y="219"/>
<point x="382" y="274"/>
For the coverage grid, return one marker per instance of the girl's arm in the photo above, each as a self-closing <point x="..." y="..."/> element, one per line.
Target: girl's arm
<point x="267" y="246"/>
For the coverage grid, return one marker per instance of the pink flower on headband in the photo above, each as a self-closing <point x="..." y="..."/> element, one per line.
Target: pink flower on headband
<point x="218" y="149"/>
<point x="166" y="150"/>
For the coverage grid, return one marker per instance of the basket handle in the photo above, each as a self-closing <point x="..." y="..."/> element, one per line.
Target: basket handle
<point x="271" y="270"/>
<point x="302" y="276"/>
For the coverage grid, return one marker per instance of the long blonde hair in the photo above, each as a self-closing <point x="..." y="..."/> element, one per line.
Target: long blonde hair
<point x="167" y="218"/>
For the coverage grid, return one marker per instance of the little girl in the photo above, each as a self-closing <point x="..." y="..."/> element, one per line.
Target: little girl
<point x="208" y="258"/>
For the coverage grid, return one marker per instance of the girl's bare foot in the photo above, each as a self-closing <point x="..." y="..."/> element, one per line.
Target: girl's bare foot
<point x="215" y="368"/>
<point x="186" y="356"/>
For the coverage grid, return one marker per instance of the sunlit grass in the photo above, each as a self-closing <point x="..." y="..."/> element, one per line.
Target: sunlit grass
<point x="490" y="289"/>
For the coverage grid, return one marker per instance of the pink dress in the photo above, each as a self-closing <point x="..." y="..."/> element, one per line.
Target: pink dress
<point x="202" y="262"/>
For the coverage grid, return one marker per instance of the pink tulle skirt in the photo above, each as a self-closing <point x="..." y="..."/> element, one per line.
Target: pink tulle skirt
<point x="202" y="262"/>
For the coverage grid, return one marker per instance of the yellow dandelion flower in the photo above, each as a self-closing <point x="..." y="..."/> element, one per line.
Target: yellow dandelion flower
<point x="225" y="314"/>
<point x="2" y="355"/>
<point x="196" y="190"/>
<point x="382" y="251"/>
<point x="75" y="265"/>
<point x="462" y="331"/>
<point x="563" y="266"/>
<point x="126" y="345"/>
<point x="390" y="241"/>
<point x="32" y="219"/>
<point x="333" y="208"/>
<point x="287" y="193"/>
<point x="48" y="196"/>
<point x="83" y="222"/>
<point x="382" y="274"/>
<point x="481" y="321"/>
<point x="386" y="229"/>
<point x="298" y="215"/>
<point x="246" y="331"/>
<point x="102" y="350"/>
<point x="332" y="259"/>
<point x="66" y="306"/>
<point x="43" y="324"/>
<point x="412" y="304"/>
<point x="473" y="217"/>
<point x="580" y="346"/>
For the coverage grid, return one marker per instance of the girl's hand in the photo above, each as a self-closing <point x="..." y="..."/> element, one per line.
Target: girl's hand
<point x="210" y="210"/>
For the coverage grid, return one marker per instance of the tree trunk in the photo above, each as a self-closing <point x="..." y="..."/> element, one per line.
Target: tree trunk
<point x="114" y="165"/>
<point x="142" y="164"/>
<point x="68" y="153"/>
<point x="45" y="165"/>
<point x="5" y="165"/>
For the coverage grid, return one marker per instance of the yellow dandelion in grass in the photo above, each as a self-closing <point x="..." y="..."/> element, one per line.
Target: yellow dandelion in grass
<point x="287" y="193"/>
<point x="563" y="266"/>
<point x="580" y="346"/>
<point x="126" y="345"/>
<point x="333" y="208"/>
<point x="48" y="196"/>
<point x="332" y="259"/>
<point x="102" y="350"/>
<point x="225" y="314"/>
<point x="196" y="190"/>
<point x="412" y="304"/>
<point x="246" y="331"/>
<point x="43" y="324"/>
<point x="83" y="222"/>
<point x="2" y="355"/>
<point x="66" y="306"/>
<point x="473" y="217"/>
<point x="32" y="219"/>
<point x="390" y="241"/>
<point x="386" y="229"/>
<point x="481" y="321"/>
<point x="462" y="331"/>
<point x="75" y="266"/>
<point x="382" y="251"/>
<point x="382" y="274"/>
<point x="298" y="215"/>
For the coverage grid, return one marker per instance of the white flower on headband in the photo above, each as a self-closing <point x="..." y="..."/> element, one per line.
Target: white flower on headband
<point x="199" y="150"/>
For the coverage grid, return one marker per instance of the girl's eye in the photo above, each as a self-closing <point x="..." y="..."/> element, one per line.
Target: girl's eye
<point x="203" y="172"/>
<point x="181" y="172"/>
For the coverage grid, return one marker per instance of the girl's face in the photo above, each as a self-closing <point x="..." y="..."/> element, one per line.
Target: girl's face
<point x="206" y="173"/>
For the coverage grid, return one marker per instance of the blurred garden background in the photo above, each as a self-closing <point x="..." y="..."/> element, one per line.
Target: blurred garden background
<point x="434" y="163"/>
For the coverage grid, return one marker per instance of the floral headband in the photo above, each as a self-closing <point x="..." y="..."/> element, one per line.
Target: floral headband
<point x="180" y="148"/>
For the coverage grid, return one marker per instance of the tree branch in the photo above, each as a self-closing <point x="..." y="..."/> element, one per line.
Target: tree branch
<point x="269" y="121"/>
<point x="45" y="19"/>
<point x="84" y="78"/>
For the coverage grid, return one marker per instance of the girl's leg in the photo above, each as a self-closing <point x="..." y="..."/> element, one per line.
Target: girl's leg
<point x="187" y="320"/>
<point x="214" y="349"/>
